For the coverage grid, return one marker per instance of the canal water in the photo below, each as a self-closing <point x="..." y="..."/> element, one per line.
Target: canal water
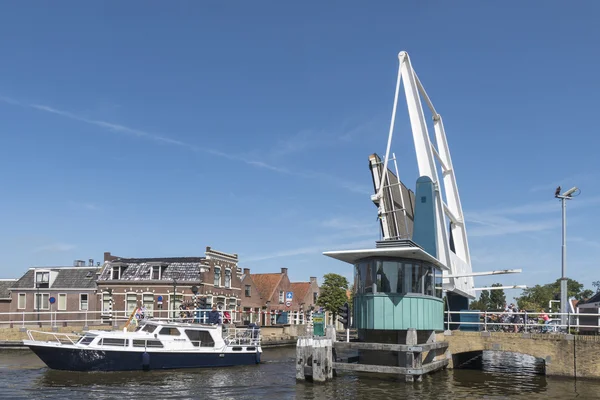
<point x="500" y="376"/>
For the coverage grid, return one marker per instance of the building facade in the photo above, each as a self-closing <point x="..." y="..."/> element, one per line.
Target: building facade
<point x="61" y="294"/>
<point x="265" y="301"/>
<point x="5" y="299"/>
<point x="162" y="285"/>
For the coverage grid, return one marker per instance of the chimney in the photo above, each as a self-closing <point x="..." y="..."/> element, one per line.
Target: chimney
<point x="284" y="271"/>
<point x="107" y="256"/>
<point x="246" y="271"/>
<point x="91" y="261"/>
<point x="313" y="279"/>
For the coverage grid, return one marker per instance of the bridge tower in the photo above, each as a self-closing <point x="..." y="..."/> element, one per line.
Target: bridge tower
<point x="424" y="251"/>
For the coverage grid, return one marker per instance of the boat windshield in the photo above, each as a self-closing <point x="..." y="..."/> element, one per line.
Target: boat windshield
<point x="149" y="328"/>
<point x="87" y="339"/>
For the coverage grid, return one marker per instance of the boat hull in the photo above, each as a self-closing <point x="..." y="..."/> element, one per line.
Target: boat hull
<point x="78" y="359"/>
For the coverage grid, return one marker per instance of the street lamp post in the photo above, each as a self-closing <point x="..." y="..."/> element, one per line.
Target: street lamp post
<point x="174" y="295"/>
<point x="568" y="195"/>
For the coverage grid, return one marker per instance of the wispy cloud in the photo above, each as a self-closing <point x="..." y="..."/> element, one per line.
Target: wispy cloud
<point x="85" y="206"/>
<point x="520" y="218"/>
<point x="122" y="129"/>
<point x="566" y="183"/>
<point x="309" y="250"/>
<point x="54" y="248"/>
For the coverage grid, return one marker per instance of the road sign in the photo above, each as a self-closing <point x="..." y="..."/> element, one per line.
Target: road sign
<point x="51" y="300"/>
<point x="289" y="296"/>
<point x="160" y="298"/>
<point x="288" y="303"/>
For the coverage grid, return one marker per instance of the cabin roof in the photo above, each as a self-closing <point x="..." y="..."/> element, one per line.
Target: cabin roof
<point x="412" y="252"/>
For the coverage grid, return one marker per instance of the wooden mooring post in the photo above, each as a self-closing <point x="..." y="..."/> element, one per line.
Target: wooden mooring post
<point x="315" y="357"/>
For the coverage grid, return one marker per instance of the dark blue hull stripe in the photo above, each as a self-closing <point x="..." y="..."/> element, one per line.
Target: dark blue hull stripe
<point x="100" y="360"/>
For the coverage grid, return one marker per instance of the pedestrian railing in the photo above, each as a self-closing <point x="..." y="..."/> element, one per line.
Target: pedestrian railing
<point x="527" y="322"/>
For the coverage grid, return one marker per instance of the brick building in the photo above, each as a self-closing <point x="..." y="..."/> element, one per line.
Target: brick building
<point x="72" y="288"/>
<point x="264" y="298"/>
<point x="5" y="299"/>
<point x="164" y="283"/>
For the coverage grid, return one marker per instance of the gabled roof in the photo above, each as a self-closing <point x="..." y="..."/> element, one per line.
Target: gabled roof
<point x="266" y="283"/>
<point x="180" y="271"/>
<point x="594" y="299"/>
<point x="67" y="278"/>
<point x="300" y="290"/>
<point x="5" y="285"/>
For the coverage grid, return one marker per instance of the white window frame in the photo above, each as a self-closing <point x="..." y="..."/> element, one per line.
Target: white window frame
<point x="43" y="273"/>
<point x="227" y="284"/>
<point x="44" y="305"/>
<point x="281" y="296"/>
<point x="107" y="297"/>
<point x="127" y="310"/>
<point x="149" y="312"/>
<point x="217" y="283"/>
<point x="64" y="295"/>
<point x="112" y="272"/>
<point x="87" y="302"/>
<point x="19" y="296"/>
<point x="248" y="290"/>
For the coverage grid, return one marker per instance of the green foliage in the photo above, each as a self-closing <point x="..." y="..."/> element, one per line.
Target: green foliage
<point x="490" y="300"/>
<point x="596" y="284"/>
<point x="333" y="293"/>
<point x="538" y="297"/>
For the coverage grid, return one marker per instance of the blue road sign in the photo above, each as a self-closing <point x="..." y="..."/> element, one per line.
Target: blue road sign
<point x="51" y="300"/>
<point x="159" y="298"/>
<point x="289" y="296"/>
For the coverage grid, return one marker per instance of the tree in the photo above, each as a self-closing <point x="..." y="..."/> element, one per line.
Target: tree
<point x="539" y="296"/>
<point x="332" y="294"/>
<point x="497" y="298"/>
<point x="483" y="303"/>
<point x="596" y="284"/>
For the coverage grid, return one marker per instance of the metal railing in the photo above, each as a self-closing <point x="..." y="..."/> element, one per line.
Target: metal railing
<point x="526" y="322"/>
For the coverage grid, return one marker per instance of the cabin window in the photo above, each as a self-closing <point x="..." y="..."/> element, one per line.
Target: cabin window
<point x="200" y="338"/>
<point x="438" y="282"/>
<point x="169" y="331"/>
<point x="247" y="291"/>
<point x="62" y="301"/>
<point x="217" y="281"/>
<point x="114" y="342"/>
<point x="149" y="328"/>
<point x="147" y="343"/>
<point x="396" y="276"/>
<point x="227" y="278"/>
<point x="22" y="303"/>
<point x="86" y="340"/>
<point x="83" y="301"/>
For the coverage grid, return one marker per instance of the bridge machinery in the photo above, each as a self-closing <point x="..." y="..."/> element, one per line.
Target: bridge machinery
<point x="424" y="252"/>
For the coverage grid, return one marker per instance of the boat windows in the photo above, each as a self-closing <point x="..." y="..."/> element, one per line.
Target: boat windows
<point x="86" y="340"/>
<point x="147" y="343"/>
<point x="114" y="342"/>
<point x="169" y="331"/>
<point x="200" y="338"/>
<point x="149" y="328"/>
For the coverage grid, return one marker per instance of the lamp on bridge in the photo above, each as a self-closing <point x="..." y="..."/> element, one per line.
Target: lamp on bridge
<point x="568" y="195"/>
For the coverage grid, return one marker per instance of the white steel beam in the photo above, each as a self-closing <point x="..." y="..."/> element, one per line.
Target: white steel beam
<point x="488" y="273"/>
<point x="501" y="287"/>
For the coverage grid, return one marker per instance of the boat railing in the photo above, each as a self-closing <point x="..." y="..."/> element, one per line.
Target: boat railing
<point x="242" y="336"/>
<point x="63" y="338"/>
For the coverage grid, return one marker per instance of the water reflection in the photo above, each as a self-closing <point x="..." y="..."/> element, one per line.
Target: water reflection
<point x="504" y="376"/>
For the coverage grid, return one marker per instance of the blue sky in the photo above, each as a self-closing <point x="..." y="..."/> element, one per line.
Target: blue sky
<point x="152" y="130"/>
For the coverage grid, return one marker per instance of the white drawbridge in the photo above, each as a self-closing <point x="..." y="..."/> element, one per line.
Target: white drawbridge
<point x="459" y="276"/>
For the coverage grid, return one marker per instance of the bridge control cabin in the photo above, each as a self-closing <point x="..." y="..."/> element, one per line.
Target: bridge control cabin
<point x="397" y="286"/>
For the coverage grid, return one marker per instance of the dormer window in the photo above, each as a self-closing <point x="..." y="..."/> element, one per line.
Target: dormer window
<point x="42" y="279"/>
<point x="116" y="273"/>
<point x="156" y="273"/>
